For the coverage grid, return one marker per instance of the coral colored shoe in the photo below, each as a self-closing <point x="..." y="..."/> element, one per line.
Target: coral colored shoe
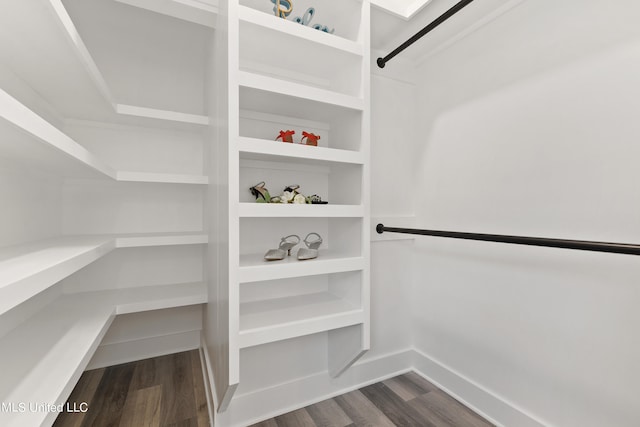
<point x="311" y="138"/>
<point x="286" y="135"/>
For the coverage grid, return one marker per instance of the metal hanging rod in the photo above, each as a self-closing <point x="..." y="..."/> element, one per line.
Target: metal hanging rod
<point x="439" y="20"/>
<point x="582" y="245"/>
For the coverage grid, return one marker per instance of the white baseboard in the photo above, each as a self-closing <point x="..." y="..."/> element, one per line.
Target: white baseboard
<point x="484" y="402"/>
<point x="130" y="351"/>
<point x="204" y="360"/>
<point x="248" y="408"/>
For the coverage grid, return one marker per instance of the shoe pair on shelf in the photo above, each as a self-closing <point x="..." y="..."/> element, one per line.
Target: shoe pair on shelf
<point x="287" y="136"/>
<point x="313" y="242"/>
<point x="289" y="195"/>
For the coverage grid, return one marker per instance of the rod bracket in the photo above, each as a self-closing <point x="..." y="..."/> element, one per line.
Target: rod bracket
<point x="380" y="228"/>
<point x="381" y="62"/>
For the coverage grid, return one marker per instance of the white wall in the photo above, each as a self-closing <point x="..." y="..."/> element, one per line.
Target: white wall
<point x="530" y="128"/>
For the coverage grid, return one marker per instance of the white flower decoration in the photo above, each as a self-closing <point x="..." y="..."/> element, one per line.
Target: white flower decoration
<point x="299" y="199"/>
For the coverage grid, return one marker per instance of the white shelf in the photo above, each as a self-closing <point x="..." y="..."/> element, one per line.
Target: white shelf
<point x="197" y="11"/>
<point x="162" y="178"/>
<point x="289" y="210"/>
<point x="254" y="268"/>
<point x="145" y="298"/>
<point x="291" y="29"/>
<point x="72" y="82"/>
<point x="44" y="144"/>
<point x="278" y="319"/>
<point x="160" y="239"/>
<point x="45" y="356"/>
<point x="154" y="113"/>
<point x="27" y="270"/>
<point x="297" y="90"/>
<point x="48" y="353"/>
<point x="30" y="139"/>
<point x="263" y="149"/>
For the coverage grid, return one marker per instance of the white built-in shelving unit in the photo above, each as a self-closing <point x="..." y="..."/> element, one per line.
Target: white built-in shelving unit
<point x="151" y="130"/>
<point x="121" y="143"/>
<point x="277" y="74"/>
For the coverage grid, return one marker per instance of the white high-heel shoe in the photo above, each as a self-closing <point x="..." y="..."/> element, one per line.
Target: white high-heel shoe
<point x="311" y="251"/>
<point x="284" y="249"/>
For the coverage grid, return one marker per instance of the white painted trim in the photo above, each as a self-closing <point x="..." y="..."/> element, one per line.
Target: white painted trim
<point x="205" y="378"/>
<point x="130" y="351"/>
<point x="486" y="403"/>
<point x="249" y="408"/>
<point x="255" y="406"/>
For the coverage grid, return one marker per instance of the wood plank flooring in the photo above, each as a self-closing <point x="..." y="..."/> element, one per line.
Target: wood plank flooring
<point x="166" y="391"/>
<point x="407" y="400"/>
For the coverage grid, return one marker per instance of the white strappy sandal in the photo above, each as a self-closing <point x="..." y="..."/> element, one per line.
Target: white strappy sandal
<point x="286" y="244"/>
<point x="313" y="244"/>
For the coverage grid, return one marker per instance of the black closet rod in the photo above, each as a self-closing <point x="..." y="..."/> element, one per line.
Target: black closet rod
<point x="582" y="245"/>
<point x="439" y="20"/>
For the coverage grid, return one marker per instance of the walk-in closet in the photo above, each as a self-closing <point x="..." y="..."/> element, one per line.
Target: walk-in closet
<point x="352" y="213"/>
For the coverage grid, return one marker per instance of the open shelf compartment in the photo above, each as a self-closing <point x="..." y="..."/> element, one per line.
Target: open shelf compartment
<point x="345" y="18"/>
<point x="281" y="309"/>
<point x="273" y="47"/>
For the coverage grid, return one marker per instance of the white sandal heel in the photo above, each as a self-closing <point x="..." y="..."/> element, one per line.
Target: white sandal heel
<point x="311" y="251"/>
<point x="283" y="250"/>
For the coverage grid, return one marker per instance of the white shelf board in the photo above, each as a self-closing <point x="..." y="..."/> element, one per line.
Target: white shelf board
<point x="45" y="356"/>
<point x="27" y="137"/>
<point x="154" y="113"/>
<point x="160" y="239"/>
<point x="277" y="319"/>
<point x="196" y="11"/>
<point x="26" y="270"/>
<point x="254" y="268"/>
<point x="48" y="353"/>
<point x="290" y="210"/>
<point x="263" y="149"/>
<point x="292" y="29"/>
<point x="162" y="178"/>
<point x="146" y="298"/>
<point x="66" y="75"/>
<point x="297" y="90"/>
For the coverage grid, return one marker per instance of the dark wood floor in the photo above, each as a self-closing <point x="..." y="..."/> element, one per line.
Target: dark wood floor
<point x="406" y="400"/>
<point x="166" y="391"/>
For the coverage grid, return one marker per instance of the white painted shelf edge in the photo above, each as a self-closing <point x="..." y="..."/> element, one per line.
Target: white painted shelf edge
<point x="266" y="150"/>
<point x="278" y="210"/>
<point x="196" y="11"/>
<point x="68" y="331"/>
<point x="273" y="320"/>
<point x="290" y="28"/>
<point x="26" y="270"/>
<point x="146" y="298"/>
<point x="297" y="90"/>
<point x="253" y="268"/>
<point x="18" y="115"/>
